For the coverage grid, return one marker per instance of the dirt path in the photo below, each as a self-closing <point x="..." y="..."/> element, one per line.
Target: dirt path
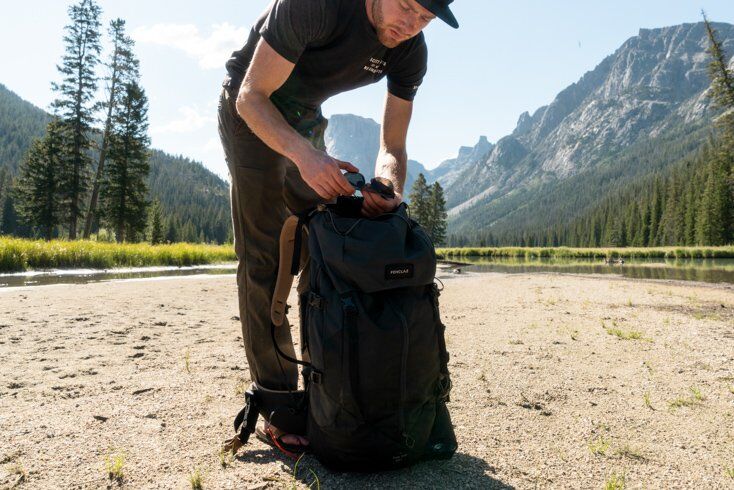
<point x="560" y="382"/>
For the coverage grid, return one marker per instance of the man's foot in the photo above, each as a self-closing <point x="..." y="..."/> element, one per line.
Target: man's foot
<point x="289" y="444"/>
<point x="290" y="439"/>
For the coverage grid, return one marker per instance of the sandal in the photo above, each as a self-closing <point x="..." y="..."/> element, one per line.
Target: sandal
<point x="268" y="437"/>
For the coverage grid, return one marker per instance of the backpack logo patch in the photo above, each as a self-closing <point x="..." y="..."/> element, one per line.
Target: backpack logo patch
<point x="398" y="271"/>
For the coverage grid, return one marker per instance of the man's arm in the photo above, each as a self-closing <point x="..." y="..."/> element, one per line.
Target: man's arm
<point x="267" y="72"/>
<point x="392" y="161"/>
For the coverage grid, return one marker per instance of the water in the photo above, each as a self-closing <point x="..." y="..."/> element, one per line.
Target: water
<point x="702" y="270"/>
<point x="84" y="276"/>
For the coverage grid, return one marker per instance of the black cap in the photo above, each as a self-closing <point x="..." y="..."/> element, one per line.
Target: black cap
<point x="442" y="11"/>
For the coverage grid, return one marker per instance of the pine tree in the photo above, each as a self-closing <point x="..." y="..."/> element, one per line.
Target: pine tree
<point x="8" y="213"/>
<point x="419" y="195"/>
<point x="437" y="214"/>
<point x="172" y="233"/>
<point x="123" y="68"/>
<point x="38" y="181"/>
<point x="722" y="91"/>
<point x="75" y="103"/>
<point x="722" y="83"/>
<point x="156" y="223"/>
<point x="124" y="190"/>
<point x="4" y="189"/>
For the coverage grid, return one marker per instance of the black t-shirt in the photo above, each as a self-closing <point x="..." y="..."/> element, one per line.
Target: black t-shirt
<point x="334" y="48"/>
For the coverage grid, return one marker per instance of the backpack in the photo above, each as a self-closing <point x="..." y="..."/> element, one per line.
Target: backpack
<point x="377" y="382"/>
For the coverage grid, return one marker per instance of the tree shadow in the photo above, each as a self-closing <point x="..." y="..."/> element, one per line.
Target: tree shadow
<point x="461" y="471"/>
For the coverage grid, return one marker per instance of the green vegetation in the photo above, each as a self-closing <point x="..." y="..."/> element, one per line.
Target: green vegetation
<point x="722" y="252"/>
<point x="123" y="72"/>
<point x="648" y="401"/>
<point x="294" y="482"/>
<point x="20" y="255"/>
<point x="696" y="399"/>
<point x="187" y="361"/>
<point x="226" y="458"/>
<point x="195" y="480"/>
<point x="75" y="107"/>
<point x="114" y="466"/>
<point x="615" y="482"/>
<point x="599" y="446"/>
<point x="626" y="335"/>
<point x="428" y="207"/>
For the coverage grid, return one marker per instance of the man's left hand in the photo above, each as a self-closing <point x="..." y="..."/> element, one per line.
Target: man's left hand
<point x="375" y="205"/>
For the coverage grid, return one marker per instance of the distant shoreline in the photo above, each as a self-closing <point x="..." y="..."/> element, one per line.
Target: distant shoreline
<point x="22" y="255"/>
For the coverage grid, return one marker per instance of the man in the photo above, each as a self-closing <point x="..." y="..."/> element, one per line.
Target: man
<point x="298" y="54"/>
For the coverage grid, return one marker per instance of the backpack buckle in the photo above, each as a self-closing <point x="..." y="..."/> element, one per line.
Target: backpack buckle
<point x="315" y="301"/>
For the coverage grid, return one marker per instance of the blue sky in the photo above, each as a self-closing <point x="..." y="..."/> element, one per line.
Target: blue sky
<point x="507" y="58"/>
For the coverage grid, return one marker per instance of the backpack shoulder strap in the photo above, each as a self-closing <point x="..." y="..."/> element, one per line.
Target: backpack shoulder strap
<point x="293" y="243"/>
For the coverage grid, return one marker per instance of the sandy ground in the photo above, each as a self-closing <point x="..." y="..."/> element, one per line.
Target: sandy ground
<point x="545" y="394"/>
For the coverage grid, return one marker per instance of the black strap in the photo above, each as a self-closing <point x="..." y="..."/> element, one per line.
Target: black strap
<point x="349" y="309"/>
<point x="248" y="415"/>
<point x="280" y="352"/>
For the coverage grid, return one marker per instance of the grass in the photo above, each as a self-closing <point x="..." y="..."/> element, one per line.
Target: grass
<point x="226" y="458"/>
<point x="195" y="479"/>
<point x="625" y="335"/>
<point x="729" y="472"/>
<point x="115" y="466"/>
<point x="615" y="482"/>
<point x="18" y="254"/>
<point x="648" y="402"/>
<point x="594" y="253"/>
<point x="695" y="399"/>
<point x="294" y="482"/>
<point x="731" y="389"/>
<point x="599" y="446"/>
<point x="187" y="361"/>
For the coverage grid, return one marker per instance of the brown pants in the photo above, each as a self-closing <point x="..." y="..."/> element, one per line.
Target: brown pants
<point x="265" y="188"/>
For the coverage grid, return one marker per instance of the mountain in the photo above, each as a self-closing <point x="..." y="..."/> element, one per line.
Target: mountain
<point x="640" y="110"/>
<point x="194" y="198"/>
<point x="356" y="140"/>
<point x="20" y="123"/>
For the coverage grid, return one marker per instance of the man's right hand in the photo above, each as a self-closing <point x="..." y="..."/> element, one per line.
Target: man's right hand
<point x="323" y="174"/>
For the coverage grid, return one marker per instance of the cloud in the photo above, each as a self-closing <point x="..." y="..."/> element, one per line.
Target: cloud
<point x="210" y="51"/>
<point x="190" y="120"/>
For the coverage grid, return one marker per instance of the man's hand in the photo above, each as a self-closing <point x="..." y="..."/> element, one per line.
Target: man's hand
<point x="375" y="205"/>
<point x="323" y="174"/>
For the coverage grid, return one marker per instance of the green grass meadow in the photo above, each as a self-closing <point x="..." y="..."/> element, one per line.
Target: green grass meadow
<point x="724" y="252"/>
<point x="17" y="255"/>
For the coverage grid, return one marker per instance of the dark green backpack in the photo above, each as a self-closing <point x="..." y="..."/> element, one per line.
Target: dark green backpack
<point x="377" y="382"/>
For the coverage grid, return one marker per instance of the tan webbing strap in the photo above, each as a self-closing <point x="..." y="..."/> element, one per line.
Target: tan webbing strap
<point x="285" y="279"/>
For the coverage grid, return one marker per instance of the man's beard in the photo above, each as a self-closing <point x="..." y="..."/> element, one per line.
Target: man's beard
<point x="382" y="31"/>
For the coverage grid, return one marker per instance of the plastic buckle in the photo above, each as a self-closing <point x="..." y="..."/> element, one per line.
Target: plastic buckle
<point x="315" y="377"/>
<point x="315" y="301"/>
